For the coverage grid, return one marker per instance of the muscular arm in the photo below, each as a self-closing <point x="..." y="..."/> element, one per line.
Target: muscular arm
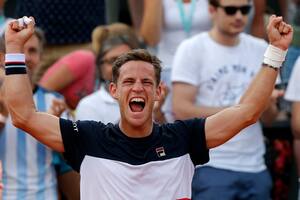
<point x="222" y="126"/>
<point x="152" y="22"/>
<point x="42" y="126"/>
<point x="18" y="96"/>
<point x="185" y="108"/>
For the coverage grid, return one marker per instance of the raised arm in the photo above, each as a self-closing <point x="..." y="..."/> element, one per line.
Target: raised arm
<point x="152" y="22"/>
<point x="222" y="126"/>
<point x="257" y="26"/>
<point x="18" y="91"/>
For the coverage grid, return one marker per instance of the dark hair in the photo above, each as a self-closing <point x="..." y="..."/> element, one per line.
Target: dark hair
<point x="136" y="55"/>
<point x="214" y="2"/>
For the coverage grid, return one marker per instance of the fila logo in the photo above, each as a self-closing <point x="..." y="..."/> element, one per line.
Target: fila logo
<point x="160" y="151"/>
<point x="75" y="127"/>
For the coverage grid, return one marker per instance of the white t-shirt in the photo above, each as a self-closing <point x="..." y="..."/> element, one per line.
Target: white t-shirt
<point x="173" y="32"/>
<point x="222" y="74"/>
<point x="293" y="89"/>
<point x="99" y="106"/>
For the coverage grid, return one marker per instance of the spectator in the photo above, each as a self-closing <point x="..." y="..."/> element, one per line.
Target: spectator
<point x="29" y="166"/>
<point x="211" y="72"/>
<point x="175" y="21"/>
<point x="293" y="94"/>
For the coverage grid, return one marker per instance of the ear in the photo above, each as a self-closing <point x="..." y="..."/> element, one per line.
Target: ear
<point x="211" y="10"/>
<point x="113" y="90"/>
<point x="158" y="92"/>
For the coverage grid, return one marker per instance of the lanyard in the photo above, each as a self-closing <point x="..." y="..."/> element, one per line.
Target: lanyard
<point x="186" y="20"/>
<point x="2" y="19"/>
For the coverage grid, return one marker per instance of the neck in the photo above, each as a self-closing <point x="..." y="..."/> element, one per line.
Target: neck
<point x="224" y="38"/>
<point x="136" y="131"/>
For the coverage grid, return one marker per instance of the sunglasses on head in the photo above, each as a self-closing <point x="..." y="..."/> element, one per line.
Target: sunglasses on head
<point x="231" y="10"/>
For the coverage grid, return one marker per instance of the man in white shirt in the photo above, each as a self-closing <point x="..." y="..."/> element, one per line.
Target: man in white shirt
<point x="211" y="72"/>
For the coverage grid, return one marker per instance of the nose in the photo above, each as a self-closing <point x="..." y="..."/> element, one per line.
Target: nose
<point x="137" y="86"/>
<point x="239" y="14"/>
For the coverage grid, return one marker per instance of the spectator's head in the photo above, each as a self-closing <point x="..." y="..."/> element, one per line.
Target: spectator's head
<point x="109" y="42"/>
<point x="229" y="16"/>
<point x="33" y="49"/>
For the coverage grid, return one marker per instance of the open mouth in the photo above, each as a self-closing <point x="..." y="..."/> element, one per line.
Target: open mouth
<point x="137" y="104"/>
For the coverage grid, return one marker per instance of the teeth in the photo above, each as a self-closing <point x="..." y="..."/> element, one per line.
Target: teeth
<point x="137" y="100"/>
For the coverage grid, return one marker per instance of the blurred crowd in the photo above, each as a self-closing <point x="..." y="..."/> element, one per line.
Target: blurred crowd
<point x="208" y="58"/>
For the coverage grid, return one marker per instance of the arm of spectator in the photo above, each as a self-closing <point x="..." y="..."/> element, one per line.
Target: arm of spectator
<point x="59" y="79"/>
<point x="152" y="22"/>
<point x="18" y="94"/>
<point x="222" y="126"/>
<point x="296" y="119"/>
<point x="184" y="107"/>
<point x="136" y="13"/>
<point x="270" y="114"/>
<point x="57" y="107"/>
<point x="258" y="24"/>
<point x="283" y="4"/>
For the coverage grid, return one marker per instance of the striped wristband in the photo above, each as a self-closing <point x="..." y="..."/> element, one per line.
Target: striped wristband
<point x="15" y="63"/>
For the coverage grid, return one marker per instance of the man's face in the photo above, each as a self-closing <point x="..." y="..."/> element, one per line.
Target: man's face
<point x="32" y="51"/>
<point x="136" y="91"/>
<point x="233" y="21"/>
<point x="109" y="58"/>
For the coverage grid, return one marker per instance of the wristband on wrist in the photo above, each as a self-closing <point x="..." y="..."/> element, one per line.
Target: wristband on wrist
<point x="15" y="64"/>
<point x="274" y="56"/>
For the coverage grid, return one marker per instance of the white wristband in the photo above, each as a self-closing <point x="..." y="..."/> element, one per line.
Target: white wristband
<point x="274" y="56"/>
<point x="15" y="57"/>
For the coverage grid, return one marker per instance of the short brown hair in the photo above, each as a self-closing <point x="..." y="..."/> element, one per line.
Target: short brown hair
<point x="136" y="55"/>
<point x="214" y="2"/>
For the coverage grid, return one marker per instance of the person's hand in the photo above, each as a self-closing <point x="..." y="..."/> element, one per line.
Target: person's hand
<point x="57" y="107"/>
<point x="17" y="35"/>
<point x="280" y="34"/>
